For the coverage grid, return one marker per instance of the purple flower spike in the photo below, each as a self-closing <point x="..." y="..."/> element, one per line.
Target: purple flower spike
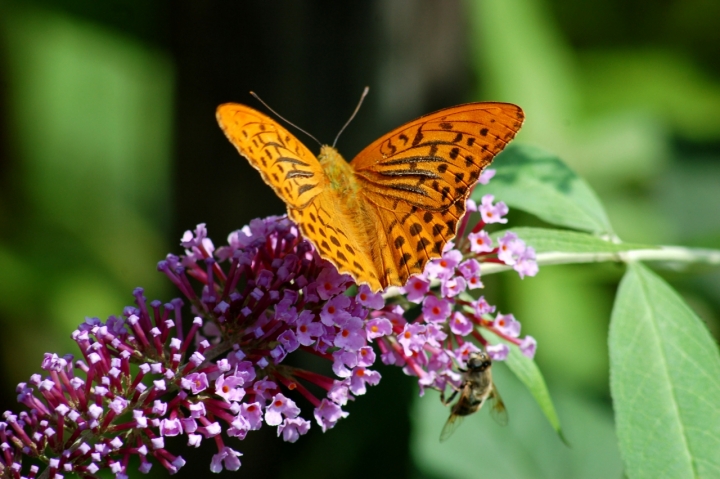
<point x="451" y="287"/>
<point x="528" y="346"/>
<point x="497" y="352"/>
<point x="369" y="299"/>
<point x="480" y="242"/>
<point x="226" y="457"/>
<point x="292" y="429"/>
<point x="308" y="330"/>
<point x="330" y="283"/>
<point x="486" y="176"/>
<point x="436" y="309"/>
<point x="412" y="338"/>
<point x="360" y="376"/>
<point x="445" y="266"/>
<point x="416" y="289"/>
<point x="328" y="414"/>
<point x="378" y="327"/>
<point x="196" y="382"/>
<point x="525" y="264"/>
<point x="142" y="377"/>
<point x="492" y="213"/>
<point x="507" y="324"/>
<point x="279" y="407"/>
<point x="334" y="310"/>
<point x="230" y="388"/>
<point x="460" y="324"/>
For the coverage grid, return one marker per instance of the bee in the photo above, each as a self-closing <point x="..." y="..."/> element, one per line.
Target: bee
<point x="476" y="389"/>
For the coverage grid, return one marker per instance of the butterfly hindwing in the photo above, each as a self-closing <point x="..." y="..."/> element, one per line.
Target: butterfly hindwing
<point x="434" y="160"/>
<point x="283" y="161"/>
<point x="414" y="236"/>
<point x="336" y="237"/>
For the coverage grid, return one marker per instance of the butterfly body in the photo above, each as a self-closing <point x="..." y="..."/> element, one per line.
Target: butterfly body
<point x="382" y="216"/>
<point x="339" y="174"/>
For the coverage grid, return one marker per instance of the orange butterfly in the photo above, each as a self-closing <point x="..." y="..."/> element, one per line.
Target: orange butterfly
<point x="381" y="217"/>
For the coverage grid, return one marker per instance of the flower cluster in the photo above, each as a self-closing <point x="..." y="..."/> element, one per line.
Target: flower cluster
<point x="221" y="372"/>
<point x="142" y="378"/>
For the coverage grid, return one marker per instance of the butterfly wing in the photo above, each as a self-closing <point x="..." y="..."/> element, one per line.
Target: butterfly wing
<point x="327" y="224"/>
<point x="418" y="177"/>
<point x="284" y="163"/>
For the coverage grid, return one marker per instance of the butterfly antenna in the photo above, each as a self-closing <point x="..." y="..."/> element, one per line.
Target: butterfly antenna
<point x="283" y="119"/>
<point x="357" y="108"/>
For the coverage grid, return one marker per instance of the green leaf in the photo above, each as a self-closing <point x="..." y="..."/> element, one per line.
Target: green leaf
<point x="551" y="240"/>
<point x="533" y="180"/>
<point x="665" y="381"/>
<point x="529" y="374"/>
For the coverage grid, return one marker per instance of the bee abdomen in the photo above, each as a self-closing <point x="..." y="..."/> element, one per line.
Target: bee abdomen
<point x="467" y="406"/>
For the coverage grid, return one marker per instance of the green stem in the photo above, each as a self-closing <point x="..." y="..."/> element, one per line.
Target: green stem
<point x="671" y="254"/>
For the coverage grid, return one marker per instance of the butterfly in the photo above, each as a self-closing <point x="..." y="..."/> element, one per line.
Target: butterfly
<point x="384" y="215"/>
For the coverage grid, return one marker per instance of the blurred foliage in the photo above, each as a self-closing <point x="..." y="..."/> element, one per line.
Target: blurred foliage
<point x="626" y="92"/>
<point x="86" y="207"/>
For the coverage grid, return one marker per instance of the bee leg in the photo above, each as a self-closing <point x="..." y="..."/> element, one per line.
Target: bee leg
<point x="450" y="399"/>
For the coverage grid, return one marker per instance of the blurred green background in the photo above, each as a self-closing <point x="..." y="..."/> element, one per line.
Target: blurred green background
<point x="109" y="150"/>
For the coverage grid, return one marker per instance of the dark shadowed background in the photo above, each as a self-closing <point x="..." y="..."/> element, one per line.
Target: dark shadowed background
<point x="109" y="150"/>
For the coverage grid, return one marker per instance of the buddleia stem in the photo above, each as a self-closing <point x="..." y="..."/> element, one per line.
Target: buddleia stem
<point x="669" y="254"/>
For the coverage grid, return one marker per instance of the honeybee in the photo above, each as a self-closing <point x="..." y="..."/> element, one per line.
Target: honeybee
<point x="476" y="389"/>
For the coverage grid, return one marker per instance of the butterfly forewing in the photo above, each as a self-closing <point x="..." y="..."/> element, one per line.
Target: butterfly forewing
<point x="433" y="161"/>
<point x="418" y="177"/>
<point x="284" y="163"/>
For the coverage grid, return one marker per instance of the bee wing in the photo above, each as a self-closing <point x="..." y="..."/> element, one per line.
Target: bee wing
<point x="450" y="426"/>
<point x="498" y="411"/>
